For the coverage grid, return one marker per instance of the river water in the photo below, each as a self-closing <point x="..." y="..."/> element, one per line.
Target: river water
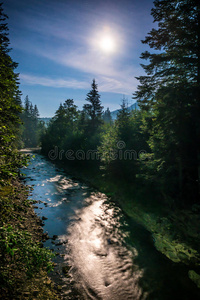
<point x="107" y="255"/>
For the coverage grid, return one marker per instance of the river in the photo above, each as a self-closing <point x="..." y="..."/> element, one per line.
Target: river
<point x="108" y="256"/>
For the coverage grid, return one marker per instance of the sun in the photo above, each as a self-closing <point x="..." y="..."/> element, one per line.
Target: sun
<point x="107" y="44"/>
<point x="104" y="41"/>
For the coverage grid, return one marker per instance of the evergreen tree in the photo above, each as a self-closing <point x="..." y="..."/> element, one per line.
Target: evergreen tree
<point x="36" y="112"/>
<point x="31" y="109"/>
<point x="66" y="116"/>
<point x="27" y="104"/>
<point x="171" y="91"/>
<point x="123" y="120"/>
<point x="62" y="127"/>
<point x="94" y="110"/>
<point x="124" y="143"/>
<point x="107" y="116"/>
<point x="57" y="127"/>
<point x="10" y="107"/>
<point x="71" y="112"/>
<point x="82" y="121"/>
<point x="32" y="127"/>
<point x="60" y="113"/>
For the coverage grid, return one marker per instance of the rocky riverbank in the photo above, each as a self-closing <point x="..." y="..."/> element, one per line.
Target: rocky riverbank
<point x="24" y="262"/>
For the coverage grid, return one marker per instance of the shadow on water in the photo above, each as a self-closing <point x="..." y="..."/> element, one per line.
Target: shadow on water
<point x="101" y="253"/>
<point x="162" y="278"/>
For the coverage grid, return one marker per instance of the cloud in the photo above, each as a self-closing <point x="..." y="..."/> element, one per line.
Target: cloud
<point x="105" y="84"/>
<point x="51" y="82"/>
<point x="112" y="74"/>
<point x="122" y="85"/>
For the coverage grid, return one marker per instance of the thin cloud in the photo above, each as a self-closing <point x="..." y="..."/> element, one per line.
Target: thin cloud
<point x="51" y="82"/>
<point x="105" y="84"/>
<point x="124" y="86"/>
<point x="112" y="75"/>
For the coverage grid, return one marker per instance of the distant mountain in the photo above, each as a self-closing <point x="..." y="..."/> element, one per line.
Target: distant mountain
<point x="130" y="108"/>
<point x="45" y="120"/>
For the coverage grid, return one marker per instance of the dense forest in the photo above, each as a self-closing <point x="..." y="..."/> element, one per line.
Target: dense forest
<point x="163" y="135"/>
<point x="32" y="127"/>
<point x="150" y="154"/>
<point x="90" y="140"/>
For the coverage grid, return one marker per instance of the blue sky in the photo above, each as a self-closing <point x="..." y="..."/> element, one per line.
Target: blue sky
<point x="62" y="45"/>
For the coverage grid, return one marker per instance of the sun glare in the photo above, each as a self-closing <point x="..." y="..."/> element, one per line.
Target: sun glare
<point x="107" y="44"/>
<point x="104" y="41"/>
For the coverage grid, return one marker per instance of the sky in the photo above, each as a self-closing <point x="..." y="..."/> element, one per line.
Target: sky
<point x="62" y="45"/>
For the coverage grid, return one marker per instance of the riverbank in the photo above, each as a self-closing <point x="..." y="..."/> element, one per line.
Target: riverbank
<point x="24" y="262"/>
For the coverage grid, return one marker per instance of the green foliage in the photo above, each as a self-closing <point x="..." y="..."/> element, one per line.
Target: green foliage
<point x="108" y="145"/>
<point x="95" y="142"/>
<point x="10" y="106"/>
<point x="20" y="255"/>
<point x="62" y="129"/>
<point x="93" y="110"/>
<point x="32" y="128"/>
<point x="170" y="94"/>
<point x="107" y="116"/>
<point x="121" y="145"/>
<point x="73" y="130"/>
<point x="18" y="246"/>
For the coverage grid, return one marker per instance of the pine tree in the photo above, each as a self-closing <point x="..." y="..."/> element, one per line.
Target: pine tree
<point x="36" y="112"/>
<point x="62" y="128"/>
<point x="58" y="127"/>
<point x="107" y="116"/>
<point x="94" y="110"/>
<point x="123" y="115"/>
<point x="171" y="91"/>
<point x="10" y="107"/>
<point x="31" y="109"/>
<point x="27" y="104"/>
<point x="70" y="111"/>
<point x="31" y="124"/>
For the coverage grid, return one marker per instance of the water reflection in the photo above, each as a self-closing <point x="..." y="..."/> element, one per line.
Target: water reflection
<point x="90" y="235"/>
<point x="104" y="268"/>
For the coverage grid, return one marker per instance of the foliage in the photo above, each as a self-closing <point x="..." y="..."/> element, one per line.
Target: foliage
<point x="18" y="246"/>
<point x="32" y="128"/>
<point x="61" y="131"/>
<point x="108" y="145"/>
<point x="19" y="253"/>
<point x="93" y="110"/>
<point x="170" y="93"/>
<point x="121" y="145"/>
<point x="74" y="131"/>
<point x="10" y="107"/>
<point x="107" y="116"/>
